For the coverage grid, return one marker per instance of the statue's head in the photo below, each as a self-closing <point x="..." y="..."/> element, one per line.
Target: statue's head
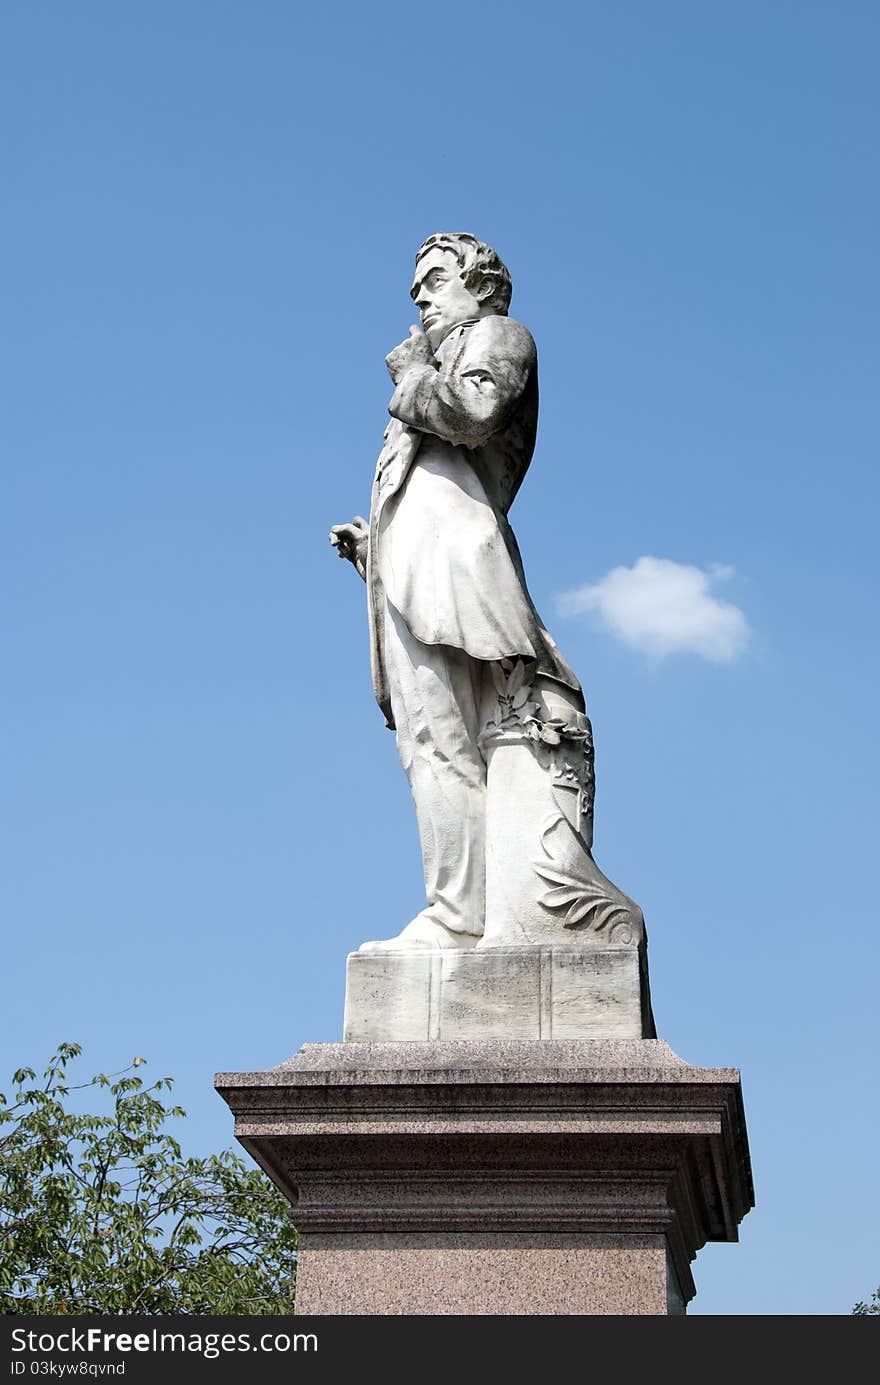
<point x="458" y="279"/>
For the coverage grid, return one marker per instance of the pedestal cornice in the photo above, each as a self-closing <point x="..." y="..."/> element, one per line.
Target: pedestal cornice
<point x="595" y="1138"/>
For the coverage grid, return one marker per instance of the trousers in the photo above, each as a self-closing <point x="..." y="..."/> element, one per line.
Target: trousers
<point x="440" y="700"/>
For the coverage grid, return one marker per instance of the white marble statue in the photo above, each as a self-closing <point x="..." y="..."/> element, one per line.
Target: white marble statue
<point x="490" y="720"/>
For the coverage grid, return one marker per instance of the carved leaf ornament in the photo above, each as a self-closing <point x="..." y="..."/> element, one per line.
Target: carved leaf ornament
<point x="587" y="903"/>
<point x="516" y="711"/>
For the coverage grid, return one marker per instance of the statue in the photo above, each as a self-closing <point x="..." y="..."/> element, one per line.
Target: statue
<point x="490" y="720"/>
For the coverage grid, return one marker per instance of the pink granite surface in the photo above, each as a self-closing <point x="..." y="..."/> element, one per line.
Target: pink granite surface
<point x="390" y="1275"/>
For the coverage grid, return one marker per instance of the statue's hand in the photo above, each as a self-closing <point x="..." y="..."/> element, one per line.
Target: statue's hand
<point x="351" y="541"/>
<point x="416" y="350"/>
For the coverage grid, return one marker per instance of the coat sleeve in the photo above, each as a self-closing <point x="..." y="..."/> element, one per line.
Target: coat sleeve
<point x="473" y="396"/>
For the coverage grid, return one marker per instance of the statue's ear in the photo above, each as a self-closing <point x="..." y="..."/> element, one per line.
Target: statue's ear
<point x="485" y="288"/>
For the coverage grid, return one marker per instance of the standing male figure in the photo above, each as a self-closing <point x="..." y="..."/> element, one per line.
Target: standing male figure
<point x="447" y="596"/>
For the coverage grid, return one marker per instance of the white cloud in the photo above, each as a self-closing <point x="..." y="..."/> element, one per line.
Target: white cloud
<point x="661" y="607"/>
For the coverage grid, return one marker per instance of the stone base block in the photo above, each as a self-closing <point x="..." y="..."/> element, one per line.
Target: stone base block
<point x="498" y="993"/>
<point x="498" y="1177"/>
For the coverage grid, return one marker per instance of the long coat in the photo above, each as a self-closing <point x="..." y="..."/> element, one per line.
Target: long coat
<point x="441" y="550"/>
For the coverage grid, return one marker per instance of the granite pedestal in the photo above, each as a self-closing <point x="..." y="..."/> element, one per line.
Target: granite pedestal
<point x="517" y="1176"/>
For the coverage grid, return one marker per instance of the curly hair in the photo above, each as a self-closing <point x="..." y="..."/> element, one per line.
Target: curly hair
<point x="477" y="261"/>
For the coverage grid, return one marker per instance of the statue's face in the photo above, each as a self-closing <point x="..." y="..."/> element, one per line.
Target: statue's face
<point x="441" y="296"/>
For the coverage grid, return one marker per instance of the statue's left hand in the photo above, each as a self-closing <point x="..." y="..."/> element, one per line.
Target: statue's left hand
<point x="416" y="350"/>
<point x="351" y="541"/>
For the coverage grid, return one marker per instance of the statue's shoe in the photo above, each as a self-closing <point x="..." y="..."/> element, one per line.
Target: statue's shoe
<point x="423" y="933"/>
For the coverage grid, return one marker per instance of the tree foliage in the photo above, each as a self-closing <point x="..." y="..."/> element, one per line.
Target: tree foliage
<point x="863" y="1310"/>
<point x="103" y="1214"/>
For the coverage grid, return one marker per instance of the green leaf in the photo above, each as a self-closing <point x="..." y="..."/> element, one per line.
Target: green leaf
<point x="100" y="1213"/>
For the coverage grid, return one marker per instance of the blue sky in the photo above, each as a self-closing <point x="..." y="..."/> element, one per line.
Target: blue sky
<point x="210" y="216"/>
